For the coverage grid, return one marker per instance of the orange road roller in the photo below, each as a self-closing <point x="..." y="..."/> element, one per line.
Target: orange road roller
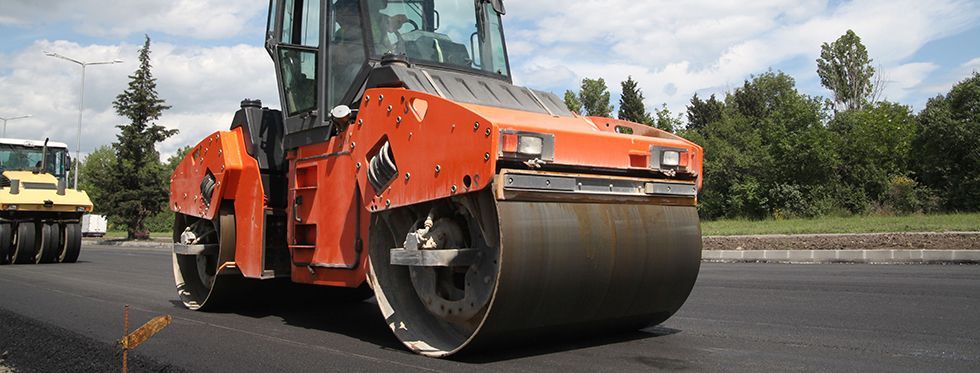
<point x="406" y="165"/>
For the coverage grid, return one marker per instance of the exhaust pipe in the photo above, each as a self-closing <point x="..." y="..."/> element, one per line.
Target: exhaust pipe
<point x="42" y="168"/>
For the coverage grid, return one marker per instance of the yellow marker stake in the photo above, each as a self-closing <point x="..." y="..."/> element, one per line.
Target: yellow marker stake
<point x="138" y="336"/>
<point x="146" y="331"/>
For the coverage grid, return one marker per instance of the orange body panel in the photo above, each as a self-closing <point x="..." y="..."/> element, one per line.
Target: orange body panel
<point x="238" y="180"/>
<point x="324" y="230"/>
<point x="590" y="142"/>
<point x="437" y="150"/>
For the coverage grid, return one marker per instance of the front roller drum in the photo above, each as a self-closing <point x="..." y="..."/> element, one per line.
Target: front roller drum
<point x="201" y="249"/>
<point x="478" y="272"/>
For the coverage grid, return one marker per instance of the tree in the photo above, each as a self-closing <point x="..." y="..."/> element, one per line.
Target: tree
<point x="96" y="171"/>
<point x="946" y="149"/>
<point x="631" y="106"/>
<point x="665" y="120"/>
<point x="700" y="113"/>
<point x="571" y="100"/>
<point x="139" y="186"/>
<point x="595" y="98"/>
<point x="767" y="153"/>
<point x="874" y="145"/>
<point x="845" y="69"/>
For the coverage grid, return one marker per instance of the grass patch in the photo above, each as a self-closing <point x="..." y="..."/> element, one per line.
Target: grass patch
<point x="850" y="224"/>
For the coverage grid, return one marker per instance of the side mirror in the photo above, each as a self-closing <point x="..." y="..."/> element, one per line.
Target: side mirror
<point x="68" y="164"/>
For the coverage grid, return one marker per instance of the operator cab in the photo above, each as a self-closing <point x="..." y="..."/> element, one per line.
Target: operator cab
<point x="451" y="48"/>
<point x="27" y="155"/>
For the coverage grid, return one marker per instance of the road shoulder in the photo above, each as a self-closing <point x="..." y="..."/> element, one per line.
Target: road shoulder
<point x="875" y="248"/>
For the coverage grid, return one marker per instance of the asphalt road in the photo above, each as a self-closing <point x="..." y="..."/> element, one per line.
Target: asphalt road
<point x="741" y="317"/>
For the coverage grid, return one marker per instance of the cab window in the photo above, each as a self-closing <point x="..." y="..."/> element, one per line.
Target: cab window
<point x="298" y="55"/>
<point x="346" y="55"/>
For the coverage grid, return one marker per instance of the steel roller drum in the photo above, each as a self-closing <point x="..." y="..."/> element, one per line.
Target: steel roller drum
<point x="564" y="268"/>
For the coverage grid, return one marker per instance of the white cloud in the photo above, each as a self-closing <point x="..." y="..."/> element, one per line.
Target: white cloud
<point x="675" y="49"/>
<point x="204" y="86"/>
<point x="899" y="81"/>
<point x="950" y="78"/>
<point x="974" y="63"/>
<point x="202" y="19"/>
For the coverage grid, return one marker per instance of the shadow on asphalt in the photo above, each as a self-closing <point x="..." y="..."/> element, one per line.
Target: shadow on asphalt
<point x="341" y="311"/>
<point x="558" y="344"/>
<point x="324" y="309"/>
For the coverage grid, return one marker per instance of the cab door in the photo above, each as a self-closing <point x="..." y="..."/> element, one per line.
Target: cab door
<point x="293" y="41"/>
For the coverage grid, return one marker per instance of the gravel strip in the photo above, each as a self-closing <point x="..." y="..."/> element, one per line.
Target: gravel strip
<point x="877" y="241"/>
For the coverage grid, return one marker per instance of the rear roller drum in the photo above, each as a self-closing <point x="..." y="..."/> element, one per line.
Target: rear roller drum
<point x="201" y="247"/>
<point x="71" y="242"/>
<point x="477" y="272"/>
<point x="25" y="250"/>
<point x="47" y="246"/>
<point x="6" y="243"/>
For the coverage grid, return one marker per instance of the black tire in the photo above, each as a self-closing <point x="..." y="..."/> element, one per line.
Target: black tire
<point x="71" y="242"/>
<point x="48" y="246"/>
<point x="24" y="248"/>
<point x="6" y="243"/>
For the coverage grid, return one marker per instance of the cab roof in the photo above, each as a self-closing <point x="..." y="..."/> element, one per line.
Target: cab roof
<point x="32" y="143"/>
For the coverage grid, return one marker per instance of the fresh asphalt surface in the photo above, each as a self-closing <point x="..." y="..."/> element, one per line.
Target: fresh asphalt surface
<point x="740" y="317"/>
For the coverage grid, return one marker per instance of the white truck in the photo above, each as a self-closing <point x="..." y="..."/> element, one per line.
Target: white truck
<point x="93" y="225"/>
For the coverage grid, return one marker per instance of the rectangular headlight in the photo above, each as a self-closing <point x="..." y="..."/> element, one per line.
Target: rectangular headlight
<point x="670" y="158"/>
<point x="525" y="145"/>
<point x="530" y="145"/>
<point x="11" y="207"/>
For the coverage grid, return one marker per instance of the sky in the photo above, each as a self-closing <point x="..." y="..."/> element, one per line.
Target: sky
<point x="208" y="55"/>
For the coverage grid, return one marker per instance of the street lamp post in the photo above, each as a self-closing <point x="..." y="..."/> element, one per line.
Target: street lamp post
<point x="5" y="123"/>
<point x="81" y="101"/>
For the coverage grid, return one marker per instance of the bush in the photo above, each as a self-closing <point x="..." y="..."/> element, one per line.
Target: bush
<point x="852" y="199"/>
<point x="161" y="222"/>
<point x="905" y="196"/>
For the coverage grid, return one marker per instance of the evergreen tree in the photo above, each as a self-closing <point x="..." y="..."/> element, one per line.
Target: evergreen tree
<point x="631" y="105"/>
<point x="845" y="69"/>
<point x="571" y="100"/>
<point x="595" y="98"/>
<point x="700" y="113"/>
<point x="138" y="188"/>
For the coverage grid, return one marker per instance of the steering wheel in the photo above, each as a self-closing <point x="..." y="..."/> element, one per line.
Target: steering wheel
<point x="413" y="23"/>
<point x="399" y="40"/>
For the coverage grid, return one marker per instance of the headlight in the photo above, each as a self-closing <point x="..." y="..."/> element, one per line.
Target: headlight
<point x="81" y="208"/>
<point x="11" y="207"/>
<point x="523" y="145"/>
<point x="670" y="158"/>
<point x="529" y="145"/>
